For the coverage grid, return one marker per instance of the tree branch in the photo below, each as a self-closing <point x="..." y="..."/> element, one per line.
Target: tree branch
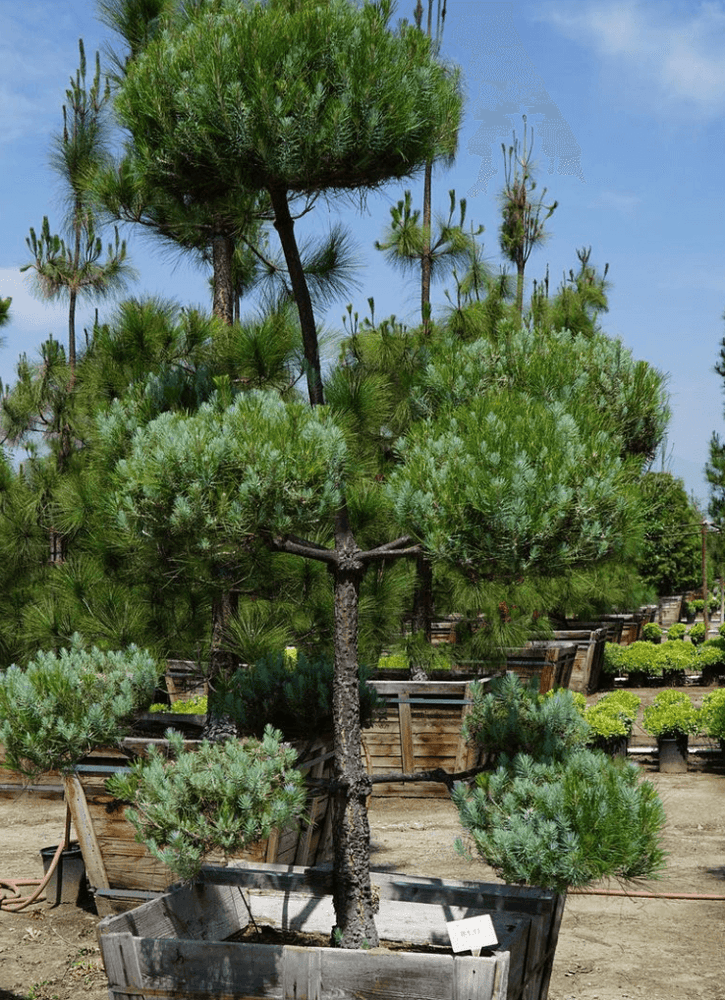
<point x="438" y="775"/>
<point x="399" y="548"/>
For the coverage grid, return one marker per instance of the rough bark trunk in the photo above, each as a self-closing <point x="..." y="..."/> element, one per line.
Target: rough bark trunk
<point x="222" y="251"/>
<point x="425" y="264"/>
<point x="284" y="225"/>
<point x="352" y="892"/>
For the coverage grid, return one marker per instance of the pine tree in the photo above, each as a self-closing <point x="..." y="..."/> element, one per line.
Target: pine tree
<point x="331" y="129"/>
<point x="523" y="217"/>
<point x="71" y="266"/>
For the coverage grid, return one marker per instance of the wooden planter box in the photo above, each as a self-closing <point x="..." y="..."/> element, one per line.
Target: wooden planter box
<point x="420" y="730"/>
<point x="551" y="663"/>
<point x="185" y="679"/>
<point x="587" y="666"/>
<point x="182" y="944"/>
<point x="48" y="785"/>
<point x="123" y="872"/>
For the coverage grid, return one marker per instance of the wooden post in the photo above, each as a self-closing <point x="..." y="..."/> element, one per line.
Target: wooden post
<point x="92" y="858"/>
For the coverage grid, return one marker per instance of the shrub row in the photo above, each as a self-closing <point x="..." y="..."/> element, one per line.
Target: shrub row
<point x="653" y="660"/>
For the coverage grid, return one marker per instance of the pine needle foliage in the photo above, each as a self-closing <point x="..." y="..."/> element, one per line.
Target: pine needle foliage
<point x="220" y="797"/>
<point x="566" y="823"/>
<point x="62" y="706"/>
<point x="512" y="718"/>
<point x="292" y="695"/>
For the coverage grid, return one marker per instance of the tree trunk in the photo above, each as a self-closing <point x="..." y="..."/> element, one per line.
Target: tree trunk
<point x="72" y="298"/>
<point x="222" y="251"/>
<point x="284" y="225"/>
<point x="520" y="268"/>
<point x="352" y="891"/>
<point x="425" y="263"/>
<point x="422" y="610"/>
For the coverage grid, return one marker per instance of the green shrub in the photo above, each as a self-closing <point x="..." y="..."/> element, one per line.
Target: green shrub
<point x="294" y="697"/>
<point x="651" y="632"/>
<point x="677" y="631"/>
<point x="721" y="630"/>
<point x="221" y="797"/>
<point x="566" y="823"/>
<point x="393" y="661"/>
<point x="62" y="706"/>
<point x="712" y="714"/>
<point x="613" y="715"/>
<point x="711" y="653"/>
<point x="613" y="660"/>
<point x="510" y="718"/>
<point x="671" y="715"/>
<point x="186" y="706"/>
<point x="680" y="656"/>
<point x="698" y="633"/>
<point x="626" y="701"/>
<point x="605" y="723"/>
<point x="644" y="657"/>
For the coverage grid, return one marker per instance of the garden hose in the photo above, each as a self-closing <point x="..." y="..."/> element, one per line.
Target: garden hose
<point x="15" y="902"/>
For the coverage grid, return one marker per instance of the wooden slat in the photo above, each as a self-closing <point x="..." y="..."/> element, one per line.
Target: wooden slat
<point x="406" y="735"/>
<point x="92" y="857"/>
<point x="302" y="973"/>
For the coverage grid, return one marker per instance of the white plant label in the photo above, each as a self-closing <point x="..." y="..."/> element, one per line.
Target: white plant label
<point x="472" y="934"/>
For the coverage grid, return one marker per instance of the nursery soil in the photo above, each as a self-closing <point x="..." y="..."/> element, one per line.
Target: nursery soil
<point x="610" y="947"/>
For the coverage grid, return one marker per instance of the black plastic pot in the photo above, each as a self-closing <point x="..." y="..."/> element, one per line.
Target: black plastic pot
<point x="68" y="882"/>
<point x="673" y="755"/>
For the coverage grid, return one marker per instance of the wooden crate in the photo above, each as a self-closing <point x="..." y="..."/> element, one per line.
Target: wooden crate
<point x="123" y="870"/>
<point x="550" y="663"/>
<point x="420" y="730"/>
<point x="185" y="679"/>
<point x="587" y="666"/>
<point x="180" y="945"/>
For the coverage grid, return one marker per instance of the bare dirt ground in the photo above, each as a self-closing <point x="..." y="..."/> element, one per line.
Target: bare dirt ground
<point x="610" y="947"/>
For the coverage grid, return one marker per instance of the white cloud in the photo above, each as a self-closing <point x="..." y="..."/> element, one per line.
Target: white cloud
<point x="677" y="51"/>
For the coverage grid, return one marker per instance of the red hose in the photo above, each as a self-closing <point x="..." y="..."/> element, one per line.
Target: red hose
<point x="646" y="895"/>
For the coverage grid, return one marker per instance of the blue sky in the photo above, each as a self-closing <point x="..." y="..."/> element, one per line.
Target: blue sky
<point x="627" y="101"/>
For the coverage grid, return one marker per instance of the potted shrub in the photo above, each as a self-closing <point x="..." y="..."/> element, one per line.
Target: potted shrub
<point x="63" y="706"/>
<point x="513" y="719"/>
<point x="671" y="718"/>
<point x="712" y="716"/>
<point x="651" y="632"/>
<point x="711" y="660"/>
<point x="611" y="720"/>
<point x="678" y="630"/>
<point x="560" y="816"/>
<point x="697" y="633"/>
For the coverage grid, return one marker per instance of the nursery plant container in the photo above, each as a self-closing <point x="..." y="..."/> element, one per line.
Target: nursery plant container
<point x="551" y="663"/>
<point x="589" y="657"/>
<point x="67" y="884"/>
<point x="123" y="872"/>
<point x="420" y="730"/>
<point x="615" y="746"/>
<point x="186" y="942"/>
<point x="672" y="755"/>
<point x="185" y="679"/>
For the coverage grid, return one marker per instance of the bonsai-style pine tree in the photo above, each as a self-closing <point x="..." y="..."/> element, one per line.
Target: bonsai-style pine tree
<point x="287" y="99"/>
